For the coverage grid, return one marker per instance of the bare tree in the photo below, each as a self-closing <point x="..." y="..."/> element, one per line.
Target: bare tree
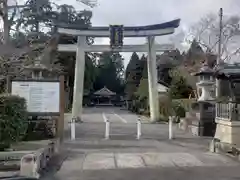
<point x="206" y="33"/>
<point x="12" y="58"/>
<point x="7" y="18"/>
<point x="14" y="18"/>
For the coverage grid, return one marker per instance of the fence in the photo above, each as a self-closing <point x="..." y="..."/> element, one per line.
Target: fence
<point x="228" y="111"/>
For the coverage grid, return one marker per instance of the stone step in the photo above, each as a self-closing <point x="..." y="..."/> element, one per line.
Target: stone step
<point x="13" y="155"/>
<point x="8" y="174"/>
<point x="10" y="165"/>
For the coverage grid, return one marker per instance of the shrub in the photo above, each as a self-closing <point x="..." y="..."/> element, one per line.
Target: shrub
<point x="165" y="107"/>
<point x="38" y="131"/>
<point x="186" y="103"/>
<point x="179" y="87"/>
<point x="179" y="110"/>
<point x="13" y="119"/>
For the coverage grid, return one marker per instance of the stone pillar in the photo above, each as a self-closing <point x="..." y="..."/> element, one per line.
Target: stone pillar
<point x="152" y="80"/>
<point x="79" y="78"/>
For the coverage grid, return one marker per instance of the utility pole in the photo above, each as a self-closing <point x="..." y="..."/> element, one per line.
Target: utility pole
<point x="219" y="50"/>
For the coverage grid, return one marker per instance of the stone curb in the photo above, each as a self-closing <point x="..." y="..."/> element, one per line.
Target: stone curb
<point x="223" y="148"/>
<point x="13" y="155"/>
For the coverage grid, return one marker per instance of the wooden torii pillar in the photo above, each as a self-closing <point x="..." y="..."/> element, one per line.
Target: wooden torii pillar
<point x="141" y="31"/>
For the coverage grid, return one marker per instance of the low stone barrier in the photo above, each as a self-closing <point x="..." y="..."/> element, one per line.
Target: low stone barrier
<point x="33" y="162"/>
<point x="219" y="147"/>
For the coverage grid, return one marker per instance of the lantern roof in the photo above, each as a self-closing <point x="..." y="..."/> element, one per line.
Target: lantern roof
<point x="204" y="70"/>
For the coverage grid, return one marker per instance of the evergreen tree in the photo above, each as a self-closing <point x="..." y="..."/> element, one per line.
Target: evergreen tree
<point x="195" y="54"/>
<point x="109" y="72"/>
<point x="133" y="75"/>
<point x="179" y="87"/>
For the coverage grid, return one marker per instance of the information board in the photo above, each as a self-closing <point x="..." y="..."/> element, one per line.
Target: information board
<point x="41" y="97"/>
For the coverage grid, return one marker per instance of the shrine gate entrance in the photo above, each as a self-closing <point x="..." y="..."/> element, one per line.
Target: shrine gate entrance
<point x="150" y="32"/>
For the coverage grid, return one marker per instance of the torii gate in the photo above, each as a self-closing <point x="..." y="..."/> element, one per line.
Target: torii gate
<point x="140" y="31"/>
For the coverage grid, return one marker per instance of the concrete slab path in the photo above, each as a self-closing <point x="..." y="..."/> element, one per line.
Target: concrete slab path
<point x="90" y="156"/>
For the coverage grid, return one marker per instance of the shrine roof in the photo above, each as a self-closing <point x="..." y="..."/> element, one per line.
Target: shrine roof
<point x="104" y="92"/>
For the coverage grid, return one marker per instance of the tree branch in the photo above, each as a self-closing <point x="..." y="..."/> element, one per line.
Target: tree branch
<point x="13" y="15"/>
<point x="206" y="32"/>
<point x="232" y="54"/>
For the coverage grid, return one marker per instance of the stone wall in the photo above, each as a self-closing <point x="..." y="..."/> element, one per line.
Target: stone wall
<point x="228" y="132"/>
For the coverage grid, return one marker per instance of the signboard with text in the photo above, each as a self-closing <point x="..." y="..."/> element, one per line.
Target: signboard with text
<point x="116" y="36"/>
<point x="41" y="96"/>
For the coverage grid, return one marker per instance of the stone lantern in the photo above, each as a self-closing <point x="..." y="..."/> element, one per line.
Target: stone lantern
<point x="36" y="69"/>
<point x="205" y="83"/>
<point x="41" y="71"/>
<point x="204" y="122"/>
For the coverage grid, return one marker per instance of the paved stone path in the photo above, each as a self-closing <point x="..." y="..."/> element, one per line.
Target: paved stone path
<point x="90" y="156"/>
<point x="98" y="161"/>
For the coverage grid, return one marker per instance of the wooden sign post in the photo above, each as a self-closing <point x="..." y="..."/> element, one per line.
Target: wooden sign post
<point x="60" y="122"/>
<point x="44" y="99"/>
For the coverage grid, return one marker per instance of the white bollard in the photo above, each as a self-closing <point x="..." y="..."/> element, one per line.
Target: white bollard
<point x="170" y="127"/>
<point x="107" y="129"/>
<point x="139" y="131"/>
<point x="30" y="166"/>
<point x="73" y="127"/>
<point x="104" y="117"/>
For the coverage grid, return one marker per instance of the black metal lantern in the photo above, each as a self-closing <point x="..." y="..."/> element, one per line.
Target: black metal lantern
<point x="231" y="74"/>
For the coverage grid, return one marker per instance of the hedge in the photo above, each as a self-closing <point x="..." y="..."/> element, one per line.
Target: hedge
<point x="167" y="107"/>
<point x="13" y="119"/>
<point x="186" y="103"/>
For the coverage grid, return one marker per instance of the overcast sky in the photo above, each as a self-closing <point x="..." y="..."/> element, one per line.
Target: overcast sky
<point x="145" y="12"/>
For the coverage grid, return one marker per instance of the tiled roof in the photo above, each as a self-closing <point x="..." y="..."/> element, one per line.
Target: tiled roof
<point x="229" y="70"/>
<point x="104" y="92"/>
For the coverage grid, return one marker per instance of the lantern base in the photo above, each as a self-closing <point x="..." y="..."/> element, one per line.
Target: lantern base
<point x="203" y="123"/>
